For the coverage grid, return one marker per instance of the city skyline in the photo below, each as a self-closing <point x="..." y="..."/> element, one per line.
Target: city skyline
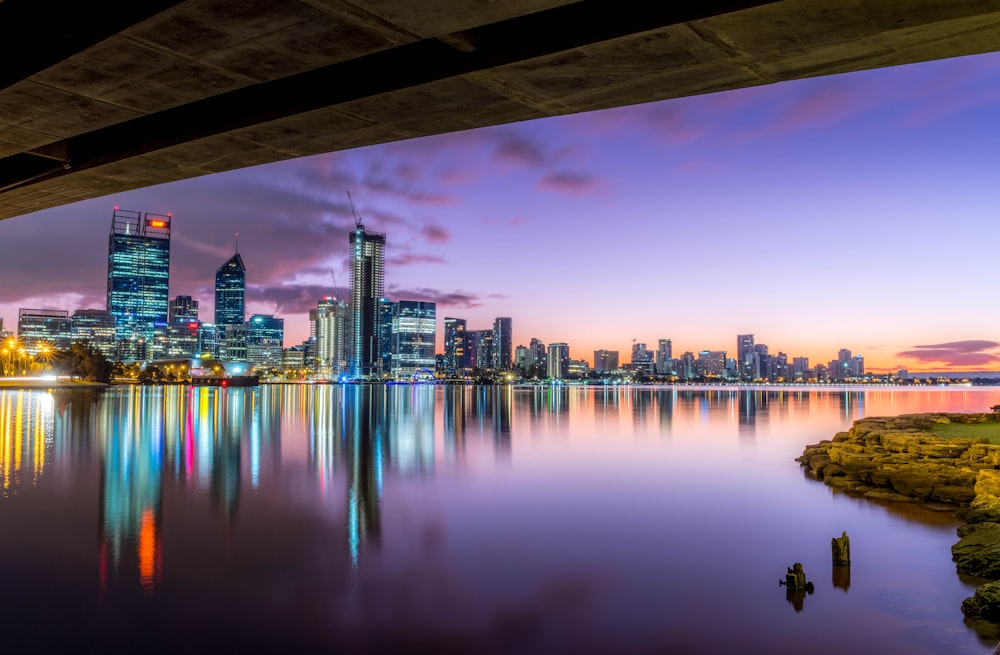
<point x="843" y="211"/>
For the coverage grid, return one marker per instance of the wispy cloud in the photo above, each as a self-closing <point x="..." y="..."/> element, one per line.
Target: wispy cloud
<point x="568" y="182"/>
<point x="955" y="353"/>
<point x="443" y="298"/>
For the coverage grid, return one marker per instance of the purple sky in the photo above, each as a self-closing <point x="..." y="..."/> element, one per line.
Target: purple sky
<point x="854" y="211"/>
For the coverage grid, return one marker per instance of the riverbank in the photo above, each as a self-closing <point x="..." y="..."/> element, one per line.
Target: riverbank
<point x="48" y="383"/>
<point x="942" y="460"/>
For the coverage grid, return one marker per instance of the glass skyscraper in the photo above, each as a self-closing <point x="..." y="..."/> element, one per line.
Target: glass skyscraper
<point x="367" y="287"/>
<point x="413" y="335"/>
<point x="138" y="278"/>
<point x="231" y="292"/>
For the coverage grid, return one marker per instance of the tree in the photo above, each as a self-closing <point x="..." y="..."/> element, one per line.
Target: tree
<point x="83" y="361"/>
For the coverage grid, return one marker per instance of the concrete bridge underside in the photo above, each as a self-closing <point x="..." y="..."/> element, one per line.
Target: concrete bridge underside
<point x="96" y="99"/>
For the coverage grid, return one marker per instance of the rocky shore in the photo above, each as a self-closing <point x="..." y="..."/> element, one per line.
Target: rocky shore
<point x="901" y="459"/>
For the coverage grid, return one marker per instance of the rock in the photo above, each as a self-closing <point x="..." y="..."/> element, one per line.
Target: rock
<point x="891" y="496"/>
<point x="978" y="550"/>
<point x="985" y="604"/>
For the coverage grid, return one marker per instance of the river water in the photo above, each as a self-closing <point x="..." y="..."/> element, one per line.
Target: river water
<point x="369" y="519"/>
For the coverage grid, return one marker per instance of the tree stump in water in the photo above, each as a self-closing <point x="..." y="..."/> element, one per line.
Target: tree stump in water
<point x="841" y="547"/>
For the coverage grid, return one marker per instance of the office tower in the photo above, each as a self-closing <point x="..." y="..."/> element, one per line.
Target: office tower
<point x="523" y="359"/>
<point x="760" y="368"/>
<point x="540" y="352"/>
<point x="329" y="327"/>
<point x="265" y="340"/>
<point x="39" y="329"/>
<point x="231" y="292"/>
<point x="138" y="278"/>
<point x="484" y="350"/>
<point x="745" y="356"/>
<point x="605" y="360"/>
<point x="642" y="358"/>
<point x="780" y="371"/>
<point x="182" y="309"/>
<point x="454" y="344"/>
<point x="857" y="366"/>
<point x="799" y="366"/>
<point x="177" y="340"/>
<point x="664" y="357"/>
<point x="558" y="361"/>
<point x="367" y="287"/>
<point x="687" y="367"/>
<point x="95" y="327"/>
<point x="711" y="363"/>
<point x="385" y="313"/>
<point x="502" y="343"/>
<point x="414" y="332"/>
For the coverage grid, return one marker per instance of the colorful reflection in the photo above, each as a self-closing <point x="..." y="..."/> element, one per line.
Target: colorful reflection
<point x="26" y="437"/>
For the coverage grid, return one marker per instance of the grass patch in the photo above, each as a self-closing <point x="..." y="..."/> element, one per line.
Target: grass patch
<point x="965" y="430"/>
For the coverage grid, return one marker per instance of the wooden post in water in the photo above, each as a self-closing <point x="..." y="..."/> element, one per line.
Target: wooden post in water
<point x="841" y="547"/>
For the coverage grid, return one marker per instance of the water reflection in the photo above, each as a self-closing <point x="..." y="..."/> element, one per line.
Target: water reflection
<point x="275" y="508"/>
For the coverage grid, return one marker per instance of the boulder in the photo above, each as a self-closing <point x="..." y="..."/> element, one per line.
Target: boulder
<point x="978" y="550"/>
<point x="985" y="603"/>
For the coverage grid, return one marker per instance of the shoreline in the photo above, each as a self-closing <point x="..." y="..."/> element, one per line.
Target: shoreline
<point x="940" y="461"/>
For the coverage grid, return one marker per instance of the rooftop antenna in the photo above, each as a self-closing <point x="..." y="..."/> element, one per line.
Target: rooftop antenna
<point x="357" y="219"/>
<point x="237" y="243"/>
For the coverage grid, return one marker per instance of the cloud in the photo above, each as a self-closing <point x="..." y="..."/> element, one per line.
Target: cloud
<point x="435" y="233"/>
<point x="406" y="259"/>
<point x="452" y="299"/>
<point x="955" y="353"/>
<point x="292" y="299"/>
<point x="517" y="148"/>
<point x="568" y="182"/>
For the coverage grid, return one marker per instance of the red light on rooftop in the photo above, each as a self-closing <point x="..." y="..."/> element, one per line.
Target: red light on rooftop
<point x="116" y="207"/>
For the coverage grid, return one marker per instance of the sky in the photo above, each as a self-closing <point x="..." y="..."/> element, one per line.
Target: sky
<point x="852" y="211"/>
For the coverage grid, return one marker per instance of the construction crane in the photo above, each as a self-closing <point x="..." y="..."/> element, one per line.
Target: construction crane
<point x="357" y="219"/>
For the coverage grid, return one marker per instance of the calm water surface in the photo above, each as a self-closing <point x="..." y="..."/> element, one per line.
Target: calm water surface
<point x="450" y="519"/>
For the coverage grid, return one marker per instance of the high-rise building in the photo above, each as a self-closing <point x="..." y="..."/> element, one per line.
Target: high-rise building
<point x="414" y="332"/>
<point x="523" y="359"/>
<point x="367" y="287"/>
<point x="138" y="278"/>
<point x="605" y="360"/>
<point x="664" y="357"/>
<point x="558" y="361"/>
<point x="540" y="352"/>
<point x="642" y="357"/>
<point x="182" y="309"/>
<point x="502" y="343"/>
<point x="231" y="292"/>
<point x="38" y="329"/>
<point x="385" y="314"/>
<point x="265" y="341"/>
<point x="454" y="344"/>
<point x="711" y="363"/>
<point x="95" y="327"/>
<point x="329" y="326"/>
<point x="745" y="356"/>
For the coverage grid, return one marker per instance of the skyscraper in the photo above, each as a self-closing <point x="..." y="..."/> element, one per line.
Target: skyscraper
<point x="664" y="357"/>
<point x="502" y="343"/>
<point x="231" y="291"/>
<point x="558" y="361"/>
<point x="414" y="331"/>
<point x="745" y="356"/>
<point x="138" y="278"/>
<point x="182" y="309"/>
<point x="367" y="287"/>
<point x="454" y="343"/>
<point x="330" y="329"/>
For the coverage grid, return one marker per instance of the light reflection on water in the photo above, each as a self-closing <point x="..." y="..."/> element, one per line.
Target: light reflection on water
<point x="465" y="519"/>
